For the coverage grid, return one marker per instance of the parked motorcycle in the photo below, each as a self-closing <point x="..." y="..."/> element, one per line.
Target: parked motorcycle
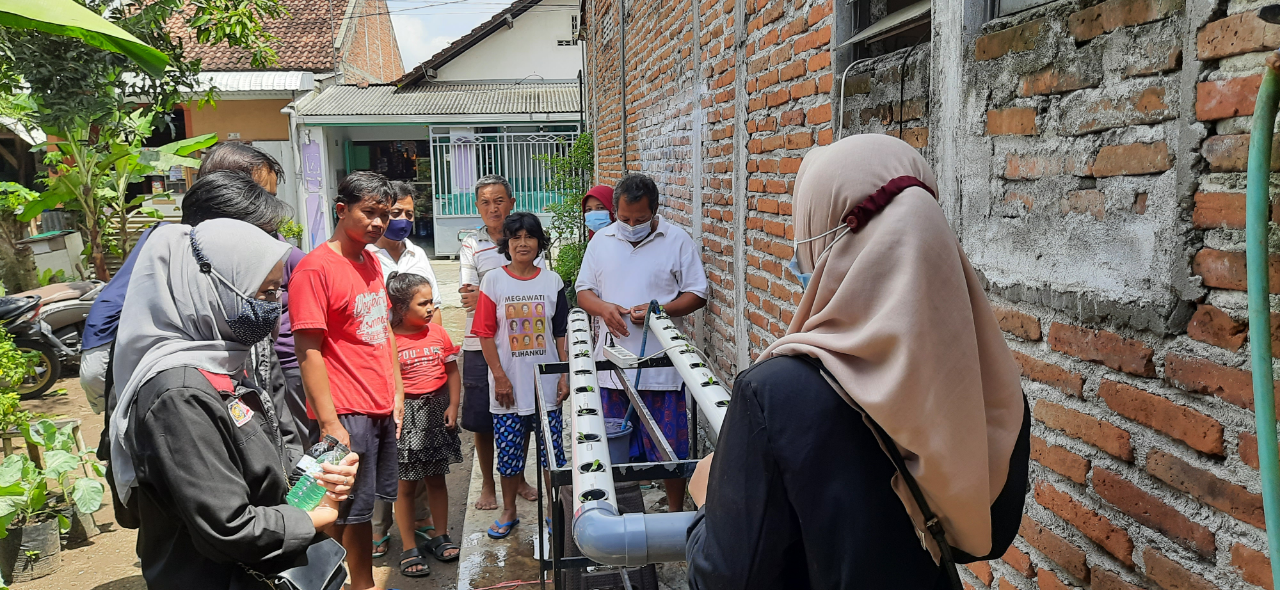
<point x="48" y="321"/>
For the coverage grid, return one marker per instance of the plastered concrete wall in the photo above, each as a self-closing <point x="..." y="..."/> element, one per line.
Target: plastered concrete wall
<point x="528" y="48"/>
<point x="1091" y="156"/>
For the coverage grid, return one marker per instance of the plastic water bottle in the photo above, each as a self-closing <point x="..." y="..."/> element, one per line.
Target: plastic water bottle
<point x="307" y="493"/>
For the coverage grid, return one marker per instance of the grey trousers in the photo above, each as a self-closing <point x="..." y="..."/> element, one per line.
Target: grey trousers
<point x="382" y="520"/>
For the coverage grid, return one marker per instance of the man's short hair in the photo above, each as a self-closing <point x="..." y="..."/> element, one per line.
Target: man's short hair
<point x="636" y="187"/>
<point x="228" y="194"/>
<point x="358" y="186"/>
<point x="492" y="179"/>
<point x="404" y="189"/>
<point x="240" y="157"/>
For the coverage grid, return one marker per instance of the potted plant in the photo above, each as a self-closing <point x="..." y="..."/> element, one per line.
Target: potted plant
<point x="31" y="517"/>
<point x="80" y="497"/>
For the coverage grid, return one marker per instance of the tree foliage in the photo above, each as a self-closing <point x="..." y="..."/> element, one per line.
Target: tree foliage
<point x="100" y="105"/>
<point x="571" y="177"/>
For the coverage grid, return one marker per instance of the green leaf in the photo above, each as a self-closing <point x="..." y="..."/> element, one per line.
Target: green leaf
<point x="47" y="200"/>
<point x="37" y="498"/>
<point x="151" y="212"/>
<point x="65" y="439"/>
<point x="42" y="433"/>
<point x="64" y="523"/>
<point x="11" y="470"/>
<point x="57" y="463"/>
<point x="98" y="469"/>
<point x="183" y="147"/>
<point x="5" y="520"/>
<point x="87" y="495"/>
<point x="70" y="19"/>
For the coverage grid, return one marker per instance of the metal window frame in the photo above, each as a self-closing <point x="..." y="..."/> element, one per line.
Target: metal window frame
<point x="891" y="24"/>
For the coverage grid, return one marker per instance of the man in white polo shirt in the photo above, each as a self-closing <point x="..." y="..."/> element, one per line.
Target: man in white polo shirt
<point x="640" y="258"/>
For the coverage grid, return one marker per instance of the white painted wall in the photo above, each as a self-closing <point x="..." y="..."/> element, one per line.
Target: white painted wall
<point x="529" y="47"/>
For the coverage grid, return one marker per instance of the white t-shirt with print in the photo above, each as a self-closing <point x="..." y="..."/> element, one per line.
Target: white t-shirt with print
<point x="523" y="316"/>
<point x="478" y="256"/>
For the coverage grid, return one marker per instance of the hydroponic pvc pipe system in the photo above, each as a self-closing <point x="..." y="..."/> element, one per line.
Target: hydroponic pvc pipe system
<point x="600" y="531"/>
<point x="1257" y="228"/>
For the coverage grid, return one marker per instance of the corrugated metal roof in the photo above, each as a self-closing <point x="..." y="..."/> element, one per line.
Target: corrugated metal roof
<point x="444" y="99"/>
<point x="258" y="81"/>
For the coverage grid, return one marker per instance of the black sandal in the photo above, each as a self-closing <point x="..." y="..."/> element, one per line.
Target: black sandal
<point x="441" y="543"/>
<point x="411" y="558"/>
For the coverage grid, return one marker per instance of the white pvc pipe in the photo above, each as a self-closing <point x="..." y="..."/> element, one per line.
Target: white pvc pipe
<point x="590" y="441"/>
<point x="710" y="394"/>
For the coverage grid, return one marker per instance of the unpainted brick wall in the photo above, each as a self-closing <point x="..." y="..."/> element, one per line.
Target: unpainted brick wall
<point x="1105" y="218"/>
<point x="370" y="52"/>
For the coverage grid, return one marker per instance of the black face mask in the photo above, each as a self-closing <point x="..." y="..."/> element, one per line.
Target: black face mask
<point x="256" y="319"/>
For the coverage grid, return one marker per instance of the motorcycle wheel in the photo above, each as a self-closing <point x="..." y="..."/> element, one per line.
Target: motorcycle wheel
<point x="47" y="369"/>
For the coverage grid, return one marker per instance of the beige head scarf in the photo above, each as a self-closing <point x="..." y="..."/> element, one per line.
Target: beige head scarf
<point x="896" y="314"/>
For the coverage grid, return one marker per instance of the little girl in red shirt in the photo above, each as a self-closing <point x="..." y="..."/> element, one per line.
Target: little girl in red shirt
<point x="429" y="440"/>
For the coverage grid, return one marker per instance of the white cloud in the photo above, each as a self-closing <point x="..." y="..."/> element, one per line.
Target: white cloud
<point x="416" y="42"/>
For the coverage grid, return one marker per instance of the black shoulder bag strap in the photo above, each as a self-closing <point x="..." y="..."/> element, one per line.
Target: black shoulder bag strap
<point x="946" y="561"/>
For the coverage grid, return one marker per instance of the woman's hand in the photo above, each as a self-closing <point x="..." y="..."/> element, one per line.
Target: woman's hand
<point x="451" y="417"/>
<point x="562" y="389"/>
<point x="698" y="483"/>
<point x="337" y="481"/>
<point x="503" y="391"/>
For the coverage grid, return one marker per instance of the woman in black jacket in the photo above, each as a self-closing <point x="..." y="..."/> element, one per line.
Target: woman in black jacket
<point x="893" y="352"/>
<point x="193" y="441"/>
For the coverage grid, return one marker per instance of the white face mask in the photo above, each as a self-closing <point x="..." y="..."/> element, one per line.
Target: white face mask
<point x="635" y="233"/>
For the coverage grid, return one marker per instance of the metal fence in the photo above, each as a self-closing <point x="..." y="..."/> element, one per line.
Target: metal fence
<point x="458" y="160"/>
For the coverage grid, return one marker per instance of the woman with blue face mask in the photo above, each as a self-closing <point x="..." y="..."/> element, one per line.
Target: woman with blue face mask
<point x="597" y="209"/>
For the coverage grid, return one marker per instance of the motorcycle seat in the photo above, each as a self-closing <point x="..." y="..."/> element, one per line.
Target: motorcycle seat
<point x="60" y="291"/>
<point x="12" y="307"/>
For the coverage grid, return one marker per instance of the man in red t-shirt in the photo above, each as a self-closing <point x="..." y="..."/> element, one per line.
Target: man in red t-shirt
<point x="347" y="353"/>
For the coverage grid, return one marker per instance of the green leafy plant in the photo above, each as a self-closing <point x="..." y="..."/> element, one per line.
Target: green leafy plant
<point x="290" y="229"/>
<point x="24" y="493"/>
<point x="571" y="177"/>
<point x="91" y="172"/>
<point x="85" y="95"/>
<point x="17" y="261"/>
<point x="49" y="277"/>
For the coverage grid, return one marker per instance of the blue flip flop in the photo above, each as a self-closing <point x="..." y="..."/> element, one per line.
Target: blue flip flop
<point x="510" y="526"/>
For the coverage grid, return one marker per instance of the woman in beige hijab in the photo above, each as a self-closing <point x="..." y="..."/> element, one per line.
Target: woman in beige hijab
<point x="894" y="357"/>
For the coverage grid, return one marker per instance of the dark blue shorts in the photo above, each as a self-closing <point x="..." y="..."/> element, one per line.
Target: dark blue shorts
<point x="475" y="392"/>
<point x="374" y="439"/>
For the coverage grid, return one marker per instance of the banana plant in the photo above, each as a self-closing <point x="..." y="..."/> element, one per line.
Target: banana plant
<point x="93" y="174"/>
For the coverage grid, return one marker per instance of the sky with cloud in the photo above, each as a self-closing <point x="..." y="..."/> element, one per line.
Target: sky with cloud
<point x="424" y="27"/>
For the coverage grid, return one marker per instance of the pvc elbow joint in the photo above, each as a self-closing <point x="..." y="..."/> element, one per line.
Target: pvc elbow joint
<point x="630" y="539"/>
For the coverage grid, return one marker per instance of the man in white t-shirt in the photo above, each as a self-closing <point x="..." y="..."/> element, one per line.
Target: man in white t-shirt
<point x="640" y="258"/>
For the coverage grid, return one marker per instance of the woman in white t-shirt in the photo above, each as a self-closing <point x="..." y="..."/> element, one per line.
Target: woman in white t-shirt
<point x="511" y="321"/>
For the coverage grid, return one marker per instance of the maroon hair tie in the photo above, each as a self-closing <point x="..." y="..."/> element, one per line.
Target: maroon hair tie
<point x="874" y="204"/>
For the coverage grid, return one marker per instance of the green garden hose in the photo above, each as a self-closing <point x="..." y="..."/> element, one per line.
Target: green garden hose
<point x="1257" y="208"/>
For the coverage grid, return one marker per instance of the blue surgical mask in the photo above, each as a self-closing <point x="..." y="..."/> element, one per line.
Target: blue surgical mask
<point x="635" y="233"/>
<point x="398" y="229"/>
<point x="597" y="220"/>
<point x="794" y="265"/>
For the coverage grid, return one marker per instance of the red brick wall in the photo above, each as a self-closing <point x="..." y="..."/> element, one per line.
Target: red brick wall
<point x="1087" y="121"/>
<point x="370" y="53"/>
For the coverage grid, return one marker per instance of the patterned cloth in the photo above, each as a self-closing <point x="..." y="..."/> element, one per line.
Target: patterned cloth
<point x="509" y="431"/>
<point x="427" y="447"/>
<point x="668" y="409"/>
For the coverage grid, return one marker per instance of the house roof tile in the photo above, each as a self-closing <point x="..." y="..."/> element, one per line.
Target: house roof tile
<point x="443" y="99"/>
<point x="305" y="39"/>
